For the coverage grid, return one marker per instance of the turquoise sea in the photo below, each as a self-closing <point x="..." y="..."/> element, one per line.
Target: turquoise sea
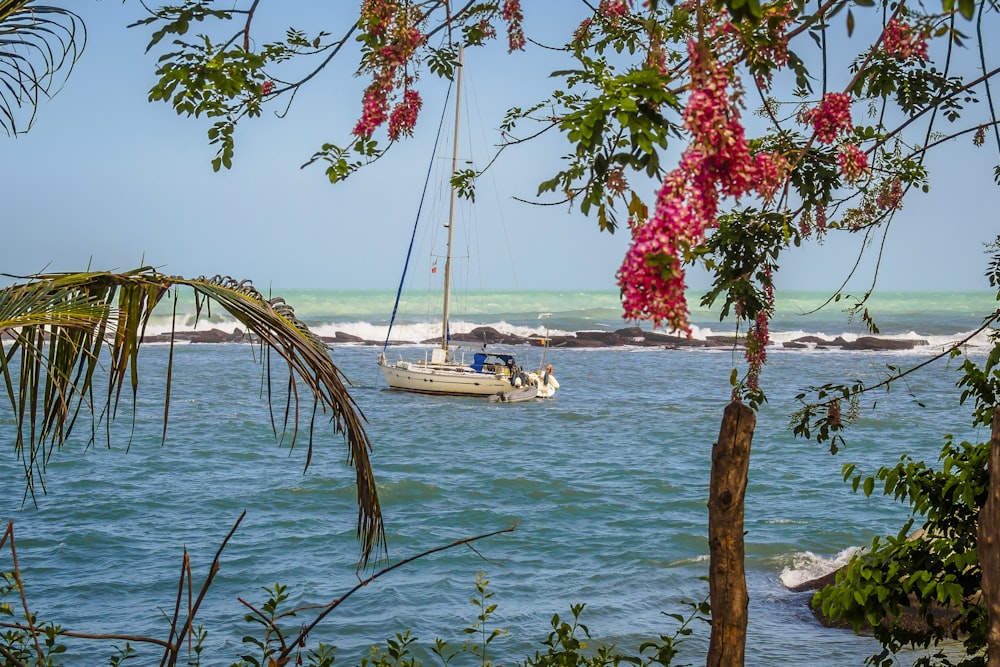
<point x="607" y="483"/>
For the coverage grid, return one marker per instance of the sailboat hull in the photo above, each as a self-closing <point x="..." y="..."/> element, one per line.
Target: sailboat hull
<point x="443" y="379"/>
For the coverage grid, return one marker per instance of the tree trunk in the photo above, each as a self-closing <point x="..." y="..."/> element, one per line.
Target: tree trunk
<point x="989" y="546"/>
<point x="727" y="584"/>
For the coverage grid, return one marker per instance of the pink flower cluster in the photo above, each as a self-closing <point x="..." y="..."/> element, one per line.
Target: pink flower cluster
<point x="615" y="181"/>
<point x="401" y="49"/>
<point x="853" y="162"/>
<point x="891" y="195"/>
<point x="833" y="414"/>
<point x="717" y="163"/>
<point x="511" y="13"/>
<point x="489" y="32"/>
<point x="821" y="219"/>
<point x="374" y="111"/>
<point x="613" y="10"/>
<point x="393" y="24"/>
<point x="831" y="117"/>
<point x="776" y="20"/>
<point x="901" y="41"/>
<point x="377" y="15"/>
<point x="757" y="339"/>
<point x="266" y="88"/>
<point x="404" y="115"/>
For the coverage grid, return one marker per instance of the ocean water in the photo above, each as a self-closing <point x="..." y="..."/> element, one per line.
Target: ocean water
<point x="606" y="483"/>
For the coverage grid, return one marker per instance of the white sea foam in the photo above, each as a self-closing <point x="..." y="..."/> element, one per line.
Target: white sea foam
<point x="807" y="566"/>
<point x="416" y="332"/>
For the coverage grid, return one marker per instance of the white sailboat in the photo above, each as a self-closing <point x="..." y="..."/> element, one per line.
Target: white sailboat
<point x="445" y="371"/>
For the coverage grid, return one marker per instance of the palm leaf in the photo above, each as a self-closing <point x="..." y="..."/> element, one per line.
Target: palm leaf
<point x="57" y="328"/>
<point x="38" y="47"/>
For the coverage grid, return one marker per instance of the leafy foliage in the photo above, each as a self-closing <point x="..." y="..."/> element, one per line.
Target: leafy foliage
<point x="270" y="642"/>
<point x="224" y="80"/>
<point x="39" y="44"/>
<point x="62" y="330"/>
<point x="920" y="589"/>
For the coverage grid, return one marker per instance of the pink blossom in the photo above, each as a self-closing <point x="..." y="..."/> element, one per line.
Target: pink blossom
<point x="377" y="15"/>
<point x="821" y="218"/>
<point x="777" y="21"/>
<point x="404" y="115"/>
<point x="266" y="88"/>
<point x="853" y="162"/>
<point x="489" y="32"/>
<point x="615" y="180"/>
<point x="769" y="174"/>
<point x="891" y="196"/>
<point x="651" y="277"/>
<point x="582" y="33"/>
<point x="716" y="164"/>
<point x="393" y="25"/>
<point x="613" y="10"/>
<point x="833" y="416"/>
<point x="511" y="13"/>
<point x="901" y="41"/>
<point x="831" y="117"/>
<point x="375" y="108"/>
<point x="756" y="348"/>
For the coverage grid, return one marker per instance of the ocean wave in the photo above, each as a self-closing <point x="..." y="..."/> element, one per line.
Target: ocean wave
<point x="417" y="333"/>
<point x="807" y="566"/>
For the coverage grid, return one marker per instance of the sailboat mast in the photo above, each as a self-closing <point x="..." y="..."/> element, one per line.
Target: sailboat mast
<point x="451" y="208"/>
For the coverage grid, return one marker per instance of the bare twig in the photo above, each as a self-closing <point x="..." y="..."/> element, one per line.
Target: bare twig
<point x="9" y="534"/>
<point x="333" y="604"/>
<point x="172" y="652"/>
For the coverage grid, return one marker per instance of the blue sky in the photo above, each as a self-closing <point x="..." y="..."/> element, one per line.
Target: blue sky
<point x="109" y="180"/>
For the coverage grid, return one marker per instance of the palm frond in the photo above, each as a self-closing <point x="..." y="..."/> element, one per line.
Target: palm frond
<point x="56" y="328"/>
<point x="38" y="47"/>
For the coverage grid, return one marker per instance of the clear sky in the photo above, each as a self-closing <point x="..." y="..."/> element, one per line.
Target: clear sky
<point x="108" y="180"/>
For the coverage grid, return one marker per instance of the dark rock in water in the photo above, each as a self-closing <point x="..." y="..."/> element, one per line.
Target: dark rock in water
<point x="576" y="341"/>
<point x="862" y="343"/>
<point x="811" y="339"/>
<point x="628" y="336"/>
<point x="872" y="343"/>
<point x="636" y="336"/>
<point x="669" y="339"/>
<point x="210" y="336"/>
<point x="629" y="332"/>
<point x="815" y="584"/>
<point x="203" y="336"/>
<point x="342" y="337"/>
<point x="722" y="341"/>
<point x="488" y="336"/>
<point x="603" y="339"/>
<point x="622" y="337"/>
<point x="597" y="335"/>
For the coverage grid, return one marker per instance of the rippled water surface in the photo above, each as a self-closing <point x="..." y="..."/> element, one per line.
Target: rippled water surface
<point x="607" y="484"/>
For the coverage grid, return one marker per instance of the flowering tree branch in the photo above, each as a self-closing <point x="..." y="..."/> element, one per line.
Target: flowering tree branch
<point x="676" y="75"/>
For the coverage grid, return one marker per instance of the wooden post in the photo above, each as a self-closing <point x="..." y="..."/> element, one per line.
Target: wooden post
<point x="988" y="546"/>
<point x="727" y="584"/>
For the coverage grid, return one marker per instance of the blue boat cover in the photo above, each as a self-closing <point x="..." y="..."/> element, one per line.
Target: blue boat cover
<point x="480" y="358"/>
